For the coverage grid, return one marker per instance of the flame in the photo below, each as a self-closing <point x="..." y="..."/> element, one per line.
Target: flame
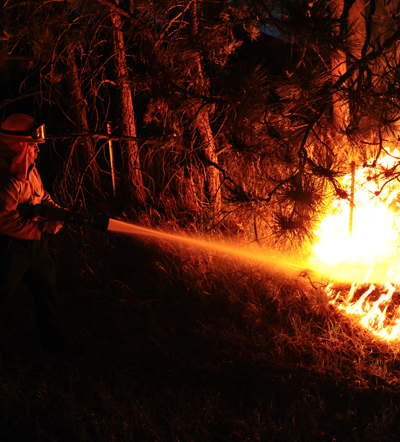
<point x="369" y="254"/>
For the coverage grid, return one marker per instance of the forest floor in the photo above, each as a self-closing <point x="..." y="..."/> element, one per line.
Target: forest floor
<point x="183" y="345"/>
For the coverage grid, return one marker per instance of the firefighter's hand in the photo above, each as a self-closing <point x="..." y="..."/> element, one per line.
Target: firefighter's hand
<point x="52" y="227"/>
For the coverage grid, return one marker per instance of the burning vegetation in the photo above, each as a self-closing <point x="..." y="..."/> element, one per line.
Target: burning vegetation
<point x="365" y="246"/>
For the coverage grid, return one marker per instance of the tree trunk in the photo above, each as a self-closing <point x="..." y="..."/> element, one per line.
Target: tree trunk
<point x="127" y="124"/>
<point x="212" y="173"/>
<point x="357" y="29"/>
<point x="203" y="125"/>
<point x="80" y="117"/>
<point x="131" y="6"/>
<point x="381" y="26"/>
<point x="341" y="112"/>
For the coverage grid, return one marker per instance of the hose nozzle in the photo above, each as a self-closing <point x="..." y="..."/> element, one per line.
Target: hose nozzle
<point x="30" y="211"/>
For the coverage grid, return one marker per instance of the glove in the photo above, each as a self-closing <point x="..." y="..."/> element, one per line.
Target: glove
<point x="52" y="227"/>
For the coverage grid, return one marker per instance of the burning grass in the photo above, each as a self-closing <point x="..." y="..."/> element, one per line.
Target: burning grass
<point x="182" y="344"/>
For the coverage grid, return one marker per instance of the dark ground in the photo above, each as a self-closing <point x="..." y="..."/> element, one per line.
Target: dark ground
<point x="183" y="346"/>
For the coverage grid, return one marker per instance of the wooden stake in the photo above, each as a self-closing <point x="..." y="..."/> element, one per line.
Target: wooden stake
<point x="111" y="151"/>
<point x="353" y="178"/>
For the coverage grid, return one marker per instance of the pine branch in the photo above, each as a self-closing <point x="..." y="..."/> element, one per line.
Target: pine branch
<point x="342" y="80"/>
<point x="101" y="136"/>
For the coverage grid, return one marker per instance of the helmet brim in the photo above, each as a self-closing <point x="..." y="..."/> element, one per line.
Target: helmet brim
<point x="21" y="139"/>
<point x="36" y="134"/>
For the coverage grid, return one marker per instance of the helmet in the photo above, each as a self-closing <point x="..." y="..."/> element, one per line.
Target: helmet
<point x="21" y="127"/>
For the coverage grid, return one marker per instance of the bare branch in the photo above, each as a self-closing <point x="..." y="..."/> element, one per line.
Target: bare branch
<point x="21" y="97"/>
<point x="20" y="57"/>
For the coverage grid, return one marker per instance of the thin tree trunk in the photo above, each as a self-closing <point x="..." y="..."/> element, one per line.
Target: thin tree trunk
<point x="212" y="173"/>
<point x="129" y="149"/>
<point x="80" y="115"/>
<point x="341" y="111"/>
<point x="131" y="6"/>
<point x="204" y="127"/>
<point x="358" y="28"/>
<point x="357" y="34"/>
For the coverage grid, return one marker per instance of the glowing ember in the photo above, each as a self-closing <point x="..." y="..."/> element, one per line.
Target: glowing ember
<point x="369" y="254"/>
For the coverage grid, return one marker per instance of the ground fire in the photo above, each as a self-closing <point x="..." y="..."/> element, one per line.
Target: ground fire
<point x="367" y="253"/>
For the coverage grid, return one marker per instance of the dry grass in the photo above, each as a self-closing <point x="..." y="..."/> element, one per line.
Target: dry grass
<point x="182" y="345"/>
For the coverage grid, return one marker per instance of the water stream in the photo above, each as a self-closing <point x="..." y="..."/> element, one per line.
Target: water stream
<point x="268" y="257"/>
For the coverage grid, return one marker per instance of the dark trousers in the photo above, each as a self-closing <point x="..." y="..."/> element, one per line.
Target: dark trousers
<point x="29" y="261"/>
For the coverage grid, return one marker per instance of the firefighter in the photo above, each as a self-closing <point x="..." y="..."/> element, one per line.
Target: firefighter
<point x="23" y="243"/>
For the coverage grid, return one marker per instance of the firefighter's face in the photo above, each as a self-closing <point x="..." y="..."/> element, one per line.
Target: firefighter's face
<point x="33" y="152"/>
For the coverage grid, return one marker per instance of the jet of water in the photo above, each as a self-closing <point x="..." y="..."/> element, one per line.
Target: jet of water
<point x="268" y="258"/>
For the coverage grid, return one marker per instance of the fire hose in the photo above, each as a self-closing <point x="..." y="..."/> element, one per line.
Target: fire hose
<point x="30" y="211"/>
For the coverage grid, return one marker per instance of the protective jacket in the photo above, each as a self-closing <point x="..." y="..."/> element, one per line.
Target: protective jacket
<point x="20" y="182"/>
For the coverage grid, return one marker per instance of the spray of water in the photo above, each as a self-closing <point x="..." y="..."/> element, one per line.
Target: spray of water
<point x="267" y="258"/>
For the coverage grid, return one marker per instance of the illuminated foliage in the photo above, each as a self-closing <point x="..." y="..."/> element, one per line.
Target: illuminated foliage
<point x="214" y="122"/>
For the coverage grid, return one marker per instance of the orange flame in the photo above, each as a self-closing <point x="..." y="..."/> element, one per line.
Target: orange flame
<point x="369" y="254"/>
